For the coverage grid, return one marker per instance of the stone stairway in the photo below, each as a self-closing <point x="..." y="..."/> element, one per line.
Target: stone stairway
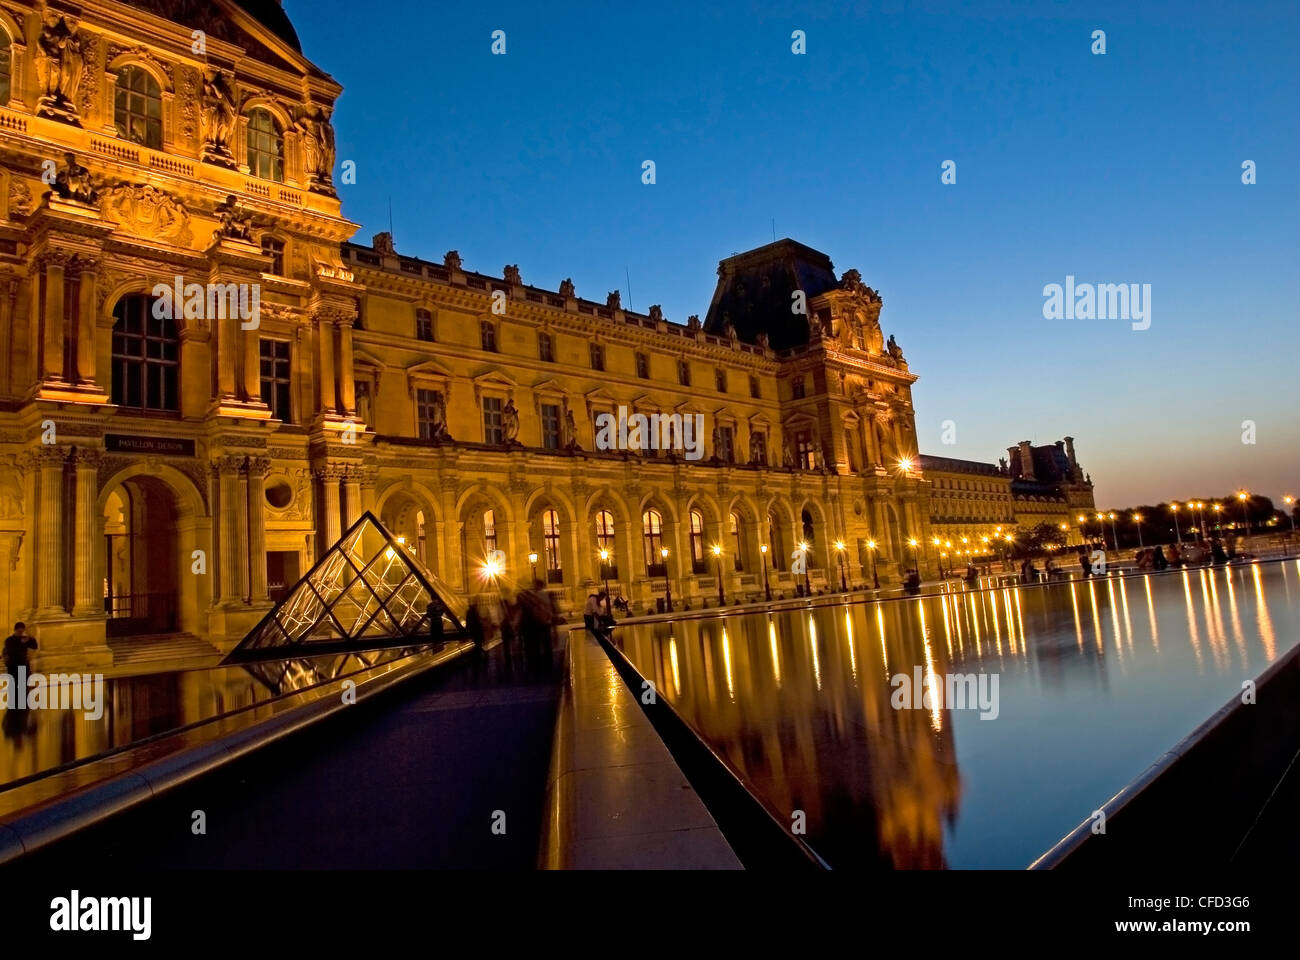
<point x="170" y="647"/>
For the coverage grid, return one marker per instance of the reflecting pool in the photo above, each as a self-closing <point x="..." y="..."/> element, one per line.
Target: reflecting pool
<point x="1085" y="684"/>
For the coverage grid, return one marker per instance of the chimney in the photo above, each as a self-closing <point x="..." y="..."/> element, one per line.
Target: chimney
<point x="1013" y="461"/>
<point x="1069" y="453"/>
<point x="1026" y="460"/>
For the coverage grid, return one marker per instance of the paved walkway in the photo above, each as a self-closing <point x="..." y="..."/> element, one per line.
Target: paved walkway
<point x="414" y="781"/>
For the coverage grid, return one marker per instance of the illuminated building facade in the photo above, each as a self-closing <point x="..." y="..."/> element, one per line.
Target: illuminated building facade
<point x="203" y="383"/>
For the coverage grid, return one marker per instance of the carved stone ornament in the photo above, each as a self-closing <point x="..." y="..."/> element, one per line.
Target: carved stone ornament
<point x="451" y="260"/>
<point x="566" y="288"/>
<point x="147" y="211"/>
<point x="217" y="119"/>
<point x="316" y="134"/>
<point x="511" y="275"/>
<point x="614" y="301"/>
<point x="74" y="182"/>
<point x="235" y="223"/>
<point x="20" y="197"/>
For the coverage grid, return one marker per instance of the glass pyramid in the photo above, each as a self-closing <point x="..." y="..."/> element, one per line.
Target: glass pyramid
<point x="368" y="591"/>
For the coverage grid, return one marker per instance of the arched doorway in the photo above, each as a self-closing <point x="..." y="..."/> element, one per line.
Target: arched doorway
<point x="409" y="518"/>
<point x="144" y="568"/>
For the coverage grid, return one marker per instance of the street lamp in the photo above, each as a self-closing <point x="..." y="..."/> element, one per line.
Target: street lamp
<point x="1065" y="534"/>
<point x="839" y="548"/>
<point x="1244" y="497"/>
<point x="1101" y="528"/>
<point x="668" y="588"/>
<point x="807" y="585"/>
<point x="717" y="555"/>
<point x="1113" y="534"/>
<point x="532" y="558"/>
<point x="767" y="587"/>
<point x="604" y="576"/>
<point x="935" y="541"/>
<point x="1083" y="529"/>
<point x="1177" y="529"/>
<point x="1290" y="502"/>
<point x="875" y="580"/>
<point x="1137" y="519"/>
<point x="1218" y="509"/>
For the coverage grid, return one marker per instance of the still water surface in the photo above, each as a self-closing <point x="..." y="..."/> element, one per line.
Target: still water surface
<point x="1095" y="680"/>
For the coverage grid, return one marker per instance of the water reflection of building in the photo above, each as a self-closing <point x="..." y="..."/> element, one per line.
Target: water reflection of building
<point x="171" y="475"/>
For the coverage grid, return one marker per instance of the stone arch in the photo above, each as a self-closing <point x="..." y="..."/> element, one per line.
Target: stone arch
<point x="410" y="510"/>
<point x="555" y="545"/>
<point x="478" y="539"/>
<point x="607" y="498"/>
<point x="752" y="532"/>
<point x="813" y="529"/>
<point x="161" y="511"/>
<point x="780" y="531"/>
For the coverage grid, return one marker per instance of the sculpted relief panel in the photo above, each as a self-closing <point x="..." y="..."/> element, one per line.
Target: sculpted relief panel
<point x="147" y="211"/>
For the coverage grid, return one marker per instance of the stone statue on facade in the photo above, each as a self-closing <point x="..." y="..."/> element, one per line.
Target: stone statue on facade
<point x="730" y="331"/>
<point x="383" y="244"/>
<point x="511" y="274"/>
<point x="657" y="313"/>
<point x="316" y="134"/>
<point x="363" y="401"/>
<point x="764" y="341"/>
<point x="614" y="301"/>
<point x="510" y="422"/>
<point x="235" y="224"/>
<point x="852" y="281"/>
<point x="693" y="323"/>
<point x="895" y="351"/>
<point x="566" y="288"/>
<point x="1002" y="466"/>
<point x="570" y="432"/>
<point x="438" y="418"/>
<point x="60" y="62"/>
<point x="787" y="454"/>
<point x="217" y="118"/>
<point x="451" y="260"/>
<point x="716" y="440"/>
<point x="73" y="182"/>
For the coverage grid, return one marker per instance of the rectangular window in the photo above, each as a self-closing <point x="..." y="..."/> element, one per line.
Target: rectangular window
<point x="424" y="326"/>
<point x="798" y="388"/>
<point x="597" y="356"/>
<point x="720" y="380"/>
<point x="273" y="248"/>
<point x="276" y="389"/>
<point x="753" y="388"/>
<point x="425" y="403"/>
<point x="683" y="373"/>
<point x="487" y="331"/>
<point x="643" y="366"/>
<point x="726" y="444"/>
<point x="493" y="428"/>
<point x="551" y="426"/>
<point x="545" y="348"/>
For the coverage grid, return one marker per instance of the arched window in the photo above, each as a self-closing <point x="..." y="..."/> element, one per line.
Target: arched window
<point x="738" y="542"/>
<point x="652" y="527"/>
<point x="489" y="531"/>
<point x="265" y="146"/>
<point x="137" y="107"/>
<point x="697" y="542"/>
<point x="551" y="537"/>
<point x="6" y="67"/>
<point x="809" y="536"/>
<point x="605" y="544"/>
<point x="146" y="356"/>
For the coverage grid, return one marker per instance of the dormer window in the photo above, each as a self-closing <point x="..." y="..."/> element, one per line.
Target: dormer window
<point x="137" y="107"/>
<point x="265" y="146"/>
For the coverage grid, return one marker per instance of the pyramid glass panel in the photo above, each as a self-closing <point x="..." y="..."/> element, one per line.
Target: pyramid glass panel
<point x="368" y="591"/>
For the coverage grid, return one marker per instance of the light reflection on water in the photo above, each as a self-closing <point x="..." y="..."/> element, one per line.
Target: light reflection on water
<point x="139" y="707"/>
<point x="1096" y="679"/>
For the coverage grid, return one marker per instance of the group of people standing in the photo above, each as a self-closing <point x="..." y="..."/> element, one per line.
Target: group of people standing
<point x="527" y="625"/>
<point x="1200" y="551"/>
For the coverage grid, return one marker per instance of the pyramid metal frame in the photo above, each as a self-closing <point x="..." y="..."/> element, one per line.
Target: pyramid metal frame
<point x="332" y="582"/>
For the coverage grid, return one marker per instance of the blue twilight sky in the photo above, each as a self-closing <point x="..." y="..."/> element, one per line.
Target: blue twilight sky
<point x="1117" y="168"/>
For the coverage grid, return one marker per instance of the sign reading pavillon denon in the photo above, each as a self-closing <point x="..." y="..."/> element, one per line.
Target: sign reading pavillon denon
<point x="170" y="446"/>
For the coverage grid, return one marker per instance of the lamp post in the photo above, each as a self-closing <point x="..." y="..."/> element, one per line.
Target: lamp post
<point x="668" y="588"/>
<point x="717" y="555"/>
<point x="767" y="587"/>
<point x="532" y="558"/>
<point x="875" y="580"/>
<point x="1114" y="534"/>
<point x="1137" y="519"/>
<point x="1290" y="502"/>
<point x="1065" y="534"/>
<point x="1083" y="530"/>
<point x="1177" y="529"/>
<point x="1218" y="520"/>
<point x="1244" y="497"/>
<point x="1200" y="518"/>
<point x="935" y="542"/>
<point x="1101" y="528"/>
<point x="807" y="585"/>
<point x="839" y="549"/>
<point x="604" y="576"/>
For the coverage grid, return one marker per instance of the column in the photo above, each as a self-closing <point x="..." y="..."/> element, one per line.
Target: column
<point x="226" y="353"/>
<point x="258" y="468"/>
<point x="329" y="480"/>
<point x="241" y="531"/>
<point x="325" y="366"/>
<point x="87" y="593"/>
<point x="52" y="365"/>
<point x="49" y="545"/>
<point x="8" y="288"/>
<point x="252" y="350"/>
<point x="86" y="323"/>
<point x="347" y="388"/>
<point x="352" y="494"/>
<point x="227" y="471"/>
